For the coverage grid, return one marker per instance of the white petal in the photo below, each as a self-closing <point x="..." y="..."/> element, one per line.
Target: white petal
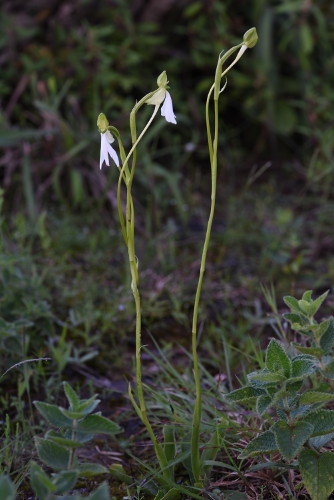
<point x="107" y="150"/>
<point x="167" y="109"/>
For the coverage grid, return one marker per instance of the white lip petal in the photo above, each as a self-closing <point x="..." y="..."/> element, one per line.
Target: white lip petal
<point x="167" y="109"/>
<point x="107" y="150"/>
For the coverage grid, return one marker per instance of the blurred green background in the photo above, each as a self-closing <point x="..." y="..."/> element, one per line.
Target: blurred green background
<point x="64" y="268"/>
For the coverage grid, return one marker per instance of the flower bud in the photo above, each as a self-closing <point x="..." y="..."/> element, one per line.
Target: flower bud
<point x="162" y="80"/>
<point x="102" y="123"/>
<point x="250" y="38"/>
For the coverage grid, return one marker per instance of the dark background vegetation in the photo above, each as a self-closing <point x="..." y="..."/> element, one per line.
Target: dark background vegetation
<point x="64" y="280"/>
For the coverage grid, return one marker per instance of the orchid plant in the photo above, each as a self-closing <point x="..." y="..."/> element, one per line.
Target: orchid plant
<point x="161" y="99"/>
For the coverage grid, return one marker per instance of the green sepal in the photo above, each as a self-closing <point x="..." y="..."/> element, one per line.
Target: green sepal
<point x="264" y="443"/>
<point x="290" y="438"/>
<point x="317" y="471"/>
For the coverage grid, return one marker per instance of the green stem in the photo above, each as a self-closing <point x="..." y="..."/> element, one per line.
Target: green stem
<point x="213" y="147"/>
<point x="130" y="227"/>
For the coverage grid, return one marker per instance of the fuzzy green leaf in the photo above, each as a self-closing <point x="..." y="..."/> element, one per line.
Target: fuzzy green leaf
<point x="292" y="303"/>
<point x="319" y="441"/>
<point x="244" y="394"/>
<point x="264" y="443"/>
<point x="7" y="488"/>
<point x="71" y="395"/>
<point x="290" y="438"/>
<point x="96" y="424"/>
<point x="307" y="296"/>
<point x="62" y="440"/>
<point x="277" y="361"/>
<point x="266" y="377"/>
<point x="317" y="473"/>
<point x="89" y="469"/>
<point x="263" y="403"/>
<point x="52" y="454"/>
<point x="328" y="371"/>
<point x="101" y="493"/>
<point x="40" y="482"/>
<point x="313" y="351"/>
<point x="302" y="367"/>
<point x="322" y="421"/>
<point x="311" y="397"/>
<point x="65" y="481"/>
<point x="53" y="415"/>
<point x="327" y="338"/>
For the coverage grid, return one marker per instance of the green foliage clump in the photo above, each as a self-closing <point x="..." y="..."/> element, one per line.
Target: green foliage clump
<point x="292" y="388"/>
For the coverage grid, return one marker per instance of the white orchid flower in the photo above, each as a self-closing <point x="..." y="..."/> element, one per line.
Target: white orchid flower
<point x="106" y="141"/>
<point x="107" y="150"/>
<point x="163" y="96"/>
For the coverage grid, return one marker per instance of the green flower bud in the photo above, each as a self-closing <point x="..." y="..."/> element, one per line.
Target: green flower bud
<point x="250" y="38"/>
<point x="102" y="123"/>
<point x="162" y="80"/>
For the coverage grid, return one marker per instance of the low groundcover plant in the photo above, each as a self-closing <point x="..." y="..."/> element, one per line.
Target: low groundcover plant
<point x="290" y="392"/>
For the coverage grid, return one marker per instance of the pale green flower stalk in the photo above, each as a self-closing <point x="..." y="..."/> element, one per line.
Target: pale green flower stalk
<point x="157" y="98"/>
<point x="249" y="40"/>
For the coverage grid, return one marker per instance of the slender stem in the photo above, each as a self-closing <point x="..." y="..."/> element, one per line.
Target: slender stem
<point x="130" y="234"/>
<point x="213" y="147"/>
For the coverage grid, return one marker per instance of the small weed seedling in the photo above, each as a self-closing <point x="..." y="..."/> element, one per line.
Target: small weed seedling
<point x="295" y="384"/>
<point x="76" y="426"/>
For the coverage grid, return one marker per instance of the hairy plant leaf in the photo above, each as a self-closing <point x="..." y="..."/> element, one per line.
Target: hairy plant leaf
<point x="302" y="367"/>
<point x="322" y="421"/>
<point x="317" y="472"/>
<point x="89" y="469"/>
<point x="40" y="482"/>
<point x="7" y="488"/>
<point x="263" y="403"/>
<point x="307" y="295"/>
<point x="244" y="394"/>
<point x="65" y="481"/>
<point x="292" y="303"/>
<point x="101" y="493"/>
<point x="266" y="377"/>
<point x="277" y="361"/>
<point x="96" y="424"/>
<point x="313" y="351"/>
<point x="311" y="397"/>
<point x="62" y="440"/>
<point x="290" y="438"/>
<point x="71" y="395"/>
<point x="319" y="441"/>
<point x="327" y="338"/>
<point x="328" y="371"/>
<point x="52" y="454"/>
<point x="53" y="415"/>
<point x="264" y="443"/>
